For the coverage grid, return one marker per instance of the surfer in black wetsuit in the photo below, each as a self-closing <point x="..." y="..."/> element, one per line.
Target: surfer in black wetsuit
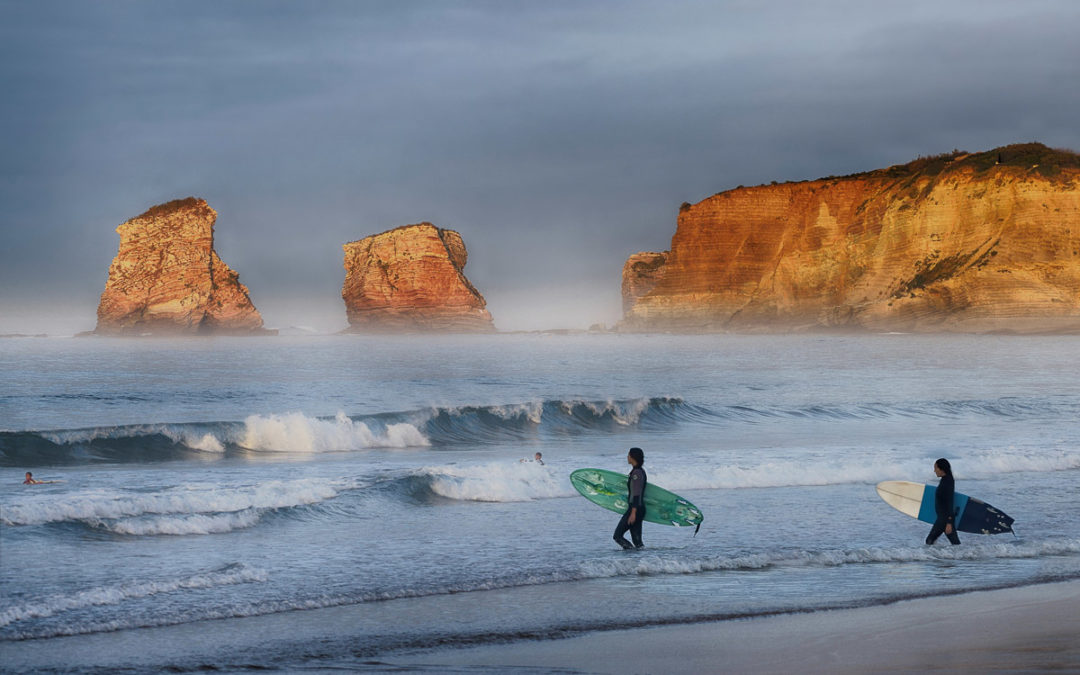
<point x="943" y="504"/>
<point x="635" y="513"/>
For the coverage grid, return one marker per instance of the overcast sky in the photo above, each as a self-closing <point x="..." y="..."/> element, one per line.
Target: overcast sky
<point x="557" y="137"/>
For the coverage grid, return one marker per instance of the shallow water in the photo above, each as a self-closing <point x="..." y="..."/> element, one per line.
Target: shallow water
<point x="321" y="501"/>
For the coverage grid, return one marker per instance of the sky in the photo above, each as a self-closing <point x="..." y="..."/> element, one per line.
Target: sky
<point x="557" y="137"/>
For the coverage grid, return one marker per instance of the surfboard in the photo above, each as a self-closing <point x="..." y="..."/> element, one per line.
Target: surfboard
<point x="917" y="500"/>
<point x="608" y="489"/>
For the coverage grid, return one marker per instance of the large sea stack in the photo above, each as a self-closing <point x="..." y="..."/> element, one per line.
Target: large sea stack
<point x="167" y="279"/>
<point x="976" y="243"/>
<point x="409" y="279"/>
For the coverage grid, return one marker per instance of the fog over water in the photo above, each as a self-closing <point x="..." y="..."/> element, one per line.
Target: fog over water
<point x="558" y="138"/>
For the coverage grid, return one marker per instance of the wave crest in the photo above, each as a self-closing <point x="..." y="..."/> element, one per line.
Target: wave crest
<point x="296" y="432"/>
<point x="186" y="509"/>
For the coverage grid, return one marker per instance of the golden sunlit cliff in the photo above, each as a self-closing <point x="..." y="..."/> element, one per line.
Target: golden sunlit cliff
<point x="167" y="279"/>
<point x="986" y="242"/>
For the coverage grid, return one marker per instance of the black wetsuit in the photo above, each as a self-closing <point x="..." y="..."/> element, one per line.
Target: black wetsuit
<point x="943" y="506"/>
<point x="635" y="487"/>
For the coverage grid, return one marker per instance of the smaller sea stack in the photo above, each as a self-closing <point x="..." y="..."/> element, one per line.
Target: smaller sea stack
<point x="409" y="279"/>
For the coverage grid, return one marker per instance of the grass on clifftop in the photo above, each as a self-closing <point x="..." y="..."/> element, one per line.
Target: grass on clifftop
<point x="169" y="207"/>
<point x="1047" y="162"/>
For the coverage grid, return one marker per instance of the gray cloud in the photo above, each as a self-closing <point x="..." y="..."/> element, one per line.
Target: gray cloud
<point x="556" y="137"/>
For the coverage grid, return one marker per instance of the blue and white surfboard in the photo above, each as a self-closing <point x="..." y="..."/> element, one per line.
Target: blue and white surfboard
<point x="917" y="500"/>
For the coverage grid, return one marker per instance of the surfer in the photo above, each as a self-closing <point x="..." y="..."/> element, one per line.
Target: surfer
<point x="943" y="504"/>
<point x="635" y="513"/>
<point x="30" y="479"/>
<point x="538" y="458"/>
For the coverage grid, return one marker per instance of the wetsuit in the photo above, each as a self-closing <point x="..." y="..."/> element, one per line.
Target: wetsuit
<point x="635" y="487"/>
<point x="943" y="506"/>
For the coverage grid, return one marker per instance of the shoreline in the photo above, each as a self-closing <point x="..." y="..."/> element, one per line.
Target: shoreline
<point x="1021" y="628"/>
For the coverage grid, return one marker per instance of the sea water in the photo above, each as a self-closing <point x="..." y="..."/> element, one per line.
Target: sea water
<point x="330" y="501"/>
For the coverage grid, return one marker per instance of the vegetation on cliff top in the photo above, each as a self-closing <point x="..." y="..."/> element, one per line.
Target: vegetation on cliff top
<point x="170" y="207"/>
<point x="1047" y="162"/>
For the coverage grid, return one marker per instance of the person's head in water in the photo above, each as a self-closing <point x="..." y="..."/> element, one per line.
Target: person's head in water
<point x="538" y="458"/>
<point x="29" y="479"/>
<point x="942" y="468"/>
<point x="636" y="457"/>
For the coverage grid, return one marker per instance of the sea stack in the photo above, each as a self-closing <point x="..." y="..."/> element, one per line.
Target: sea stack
<point x="167" y="279"/>
<point x="972" y="243"/>
<point x="410" y="279"/>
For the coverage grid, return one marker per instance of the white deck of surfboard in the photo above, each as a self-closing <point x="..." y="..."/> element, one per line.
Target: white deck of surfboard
<point x="904" y="496"/>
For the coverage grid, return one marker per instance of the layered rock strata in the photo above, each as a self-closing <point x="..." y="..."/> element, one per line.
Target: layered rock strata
<point x="986" y="242"/>
<point x="410" y="279"/>
<point x="167" y="279"/>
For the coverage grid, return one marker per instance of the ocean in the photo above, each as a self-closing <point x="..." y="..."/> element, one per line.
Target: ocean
<point x="327" y="502"/>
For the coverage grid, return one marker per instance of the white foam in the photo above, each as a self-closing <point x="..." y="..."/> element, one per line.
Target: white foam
<point x="112" y="595"/>
<point x="683" y="564"/>
<point x="510" y="481"/>
<point x="700" y="474"/>
<point x="198" y="523"/>
<point x="206" y="443"/>
<point x="98" y="508"/>
<point x="296" y="432"/>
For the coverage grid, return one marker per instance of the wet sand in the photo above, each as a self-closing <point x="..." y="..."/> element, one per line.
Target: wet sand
<point x="1025" y="629"/>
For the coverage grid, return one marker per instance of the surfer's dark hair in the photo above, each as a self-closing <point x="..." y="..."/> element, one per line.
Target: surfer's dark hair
<point x="638" y="454"/>
<point x="944" y="465"/>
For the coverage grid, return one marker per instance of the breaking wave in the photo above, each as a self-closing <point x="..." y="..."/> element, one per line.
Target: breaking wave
<point x="183" y="510"/>
<point x="299" y="433"/>
<point x="296" y="432"/>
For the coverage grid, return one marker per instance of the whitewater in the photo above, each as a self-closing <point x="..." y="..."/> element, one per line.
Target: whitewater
<point x="322" y="501"/>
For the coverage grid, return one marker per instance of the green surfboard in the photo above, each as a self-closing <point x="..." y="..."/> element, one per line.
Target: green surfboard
<point x="608" y="489"/>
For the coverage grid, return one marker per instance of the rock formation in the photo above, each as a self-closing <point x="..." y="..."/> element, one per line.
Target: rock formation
<point x="640" y="275"/>
<point x="985" y="242"/>
<point x="167" y="279"/>
<point x="410" y="279"/>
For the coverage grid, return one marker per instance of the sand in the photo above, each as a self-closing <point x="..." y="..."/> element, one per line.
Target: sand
<point x="1016" y="630"/>
<point x="1024" y="629"/>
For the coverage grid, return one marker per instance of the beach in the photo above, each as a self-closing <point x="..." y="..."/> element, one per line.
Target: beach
<point x="1024" y="629"/>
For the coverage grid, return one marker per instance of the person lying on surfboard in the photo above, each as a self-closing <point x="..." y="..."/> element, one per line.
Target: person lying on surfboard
<point x="30" y="480"/>
<point x="635" y="513"/>
<point x="943" y="504"/>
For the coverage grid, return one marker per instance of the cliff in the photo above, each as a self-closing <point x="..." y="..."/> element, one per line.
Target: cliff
<point x="986" y="242"/>
<point x="410" y="279"/>
<point x="167" y="279"/>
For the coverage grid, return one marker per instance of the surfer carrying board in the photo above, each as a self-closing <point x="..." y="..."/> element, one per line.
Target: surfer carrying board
<point x="943" y="504"/>
<point x="635" y="513"/>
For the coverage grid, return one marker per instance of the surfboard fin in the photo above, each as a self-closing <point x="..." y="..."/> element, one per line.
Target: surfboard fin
<point x="697" y="528"/>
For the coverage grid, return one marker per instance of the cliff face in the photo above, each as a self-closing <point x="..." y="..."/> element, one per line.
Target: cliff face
<point x="167" y="278"/>
<point x="410" y="279"/>
<point x="964" y="243"/>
